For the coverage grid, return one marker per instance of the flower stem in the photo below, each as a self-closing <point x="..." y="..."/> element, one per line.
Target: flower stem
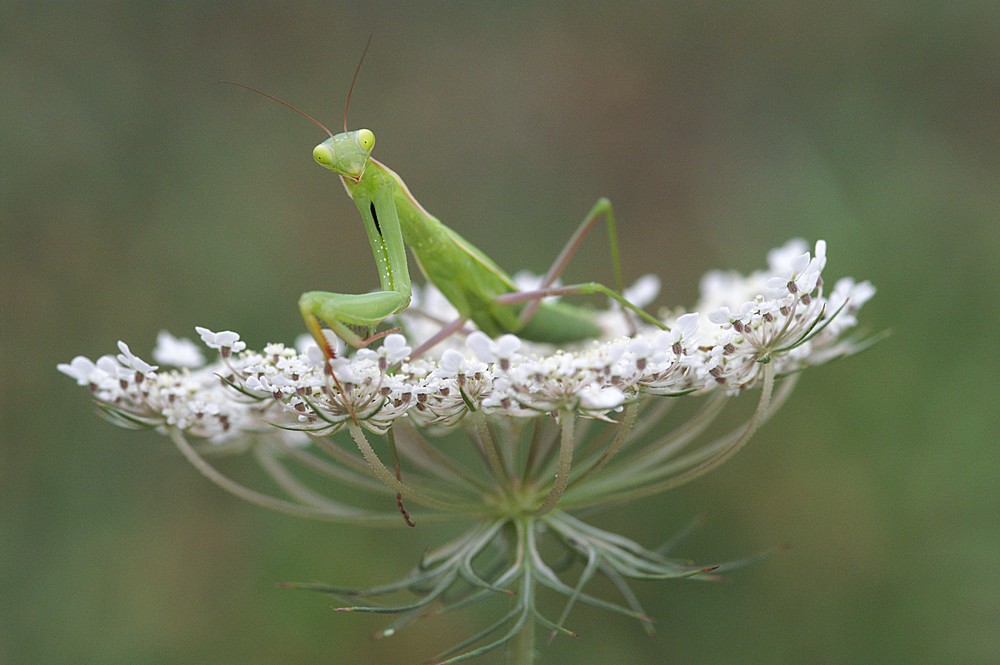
<point x="386" y="476"/>
<point x="522" y="647"/>
<point x="328" y="511"/>
<point x="566" y="444"/>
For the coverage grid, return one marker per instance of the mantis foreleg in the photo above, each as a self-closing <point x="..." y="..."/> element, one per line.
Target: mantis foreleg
<point x="345" y="312"/>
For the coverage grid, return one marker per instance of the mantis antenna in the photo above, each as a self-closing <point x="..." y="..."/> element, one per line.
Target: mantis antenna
<point x="283" y="103"/>
<point x="347" y="105"/>
<point x="354" y="79"/>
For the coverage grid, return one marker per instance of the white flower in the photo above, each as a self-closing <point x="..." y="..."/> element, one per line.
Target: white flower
<point x="684" y="331"/>
<point x="86" y="372"/>
<point x="721" y="346"/>
<point x="454" y="363"/>
<point x="721" y="316"/>
<point x="226" y="341"/>
<point x="780" y="259"/>
<point x="802" y="273"/>
<point x="643" y="291"/>
<point x="177" y="351"/>
<point x="305" y="342"/>
<point x="600" y="398"/>
<point x="502" y="350"/>
<point x="128" y="359"/>
<point x="847" y="296"/>
<point x="395" y="348"/>
<point x="347" y="371"/>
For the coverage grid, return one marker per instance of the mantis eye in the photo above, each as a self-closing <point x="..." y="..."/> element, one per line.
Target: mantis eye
<point x="323" y="154"/>
<point x="366" y="139"/>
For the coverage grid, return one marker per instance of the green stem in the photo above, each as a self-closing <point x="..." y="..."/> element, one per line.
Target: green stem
<point x="328" y="511"/>
<point x="521" y="650"/>
<point x="488" y="447"/>
<point x="522" y="647"/>
<point x="388" y="477"/>
<point x="561" y="481"/>
<point x="758" y="417"/>
<point x="621" y="436"/>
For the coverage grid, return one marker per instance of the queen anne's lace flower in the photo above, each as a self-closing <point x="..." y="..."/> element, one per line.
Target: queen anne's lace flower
<point x="226" y="341"/>
<point x="776" y="314"/>
<point x="177" y="352"/>
<point x="519" y="403"/>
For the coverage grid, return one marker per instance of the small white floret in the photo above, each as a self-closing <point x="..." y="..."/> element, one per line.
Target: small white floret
<point x="80" y="368"/>
<point x="226" y="339"/>
<point x="129" y="359"/>
<point x="177" y="351"/>
<point x="643" y="291"/>
<point x="600" y="398"/>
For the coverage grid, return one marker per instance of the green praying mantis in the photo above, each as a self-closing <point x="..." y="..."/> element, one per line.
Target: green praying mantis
<point x="472" y="282"/>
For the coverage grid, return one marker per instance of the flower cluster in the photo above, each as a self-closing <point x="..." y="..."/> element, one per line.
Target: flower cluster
<point x="525" y="463"/>
<point x="780" y="316"/>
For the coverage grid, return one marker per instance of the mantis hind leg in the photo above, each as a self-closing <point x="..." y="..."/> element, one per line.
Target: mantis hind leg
<point x="445" y="332"/>
<point x="601" y="210"/>
<point x="579" y="289"/>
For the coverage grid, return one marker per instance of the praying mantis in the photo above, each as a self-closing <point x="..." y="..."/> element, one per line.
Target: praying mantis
<point x="472" y="282"/>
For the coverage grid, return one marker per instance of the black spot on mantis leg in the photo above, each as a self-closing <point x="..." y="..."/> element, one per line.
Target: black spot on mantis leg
<point x="378" y="227"/>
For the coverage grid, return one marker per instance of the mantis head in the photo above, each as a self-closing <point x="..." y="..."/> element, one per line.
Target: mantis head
<point x="346" y="154"/>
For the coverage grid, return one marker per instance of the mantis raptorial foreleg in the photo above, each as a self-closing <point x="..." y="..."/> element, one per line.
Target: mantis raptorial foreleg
<point x="343" y="312"/>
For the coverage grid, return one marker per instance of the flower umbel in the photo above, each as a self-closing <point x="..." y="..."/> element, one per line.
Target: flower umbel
<point x="511" y="436"/>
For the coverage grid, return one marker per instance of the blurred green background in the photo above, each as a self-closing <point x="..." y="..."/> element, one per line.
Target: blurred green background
<point x="138" y="194"/>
